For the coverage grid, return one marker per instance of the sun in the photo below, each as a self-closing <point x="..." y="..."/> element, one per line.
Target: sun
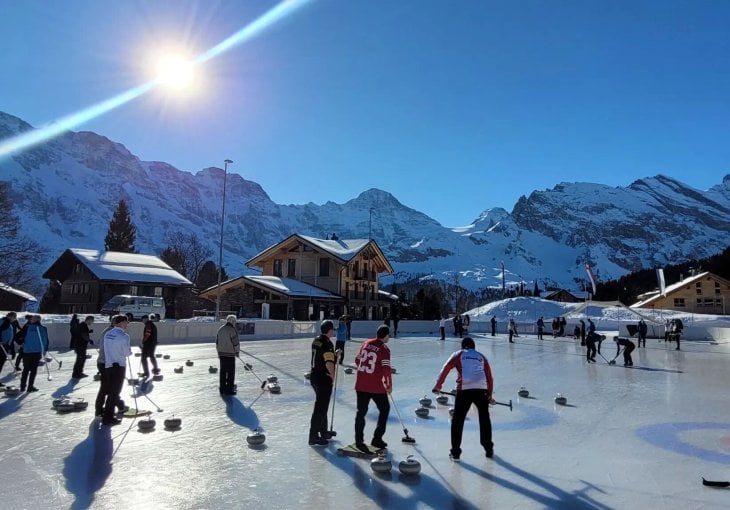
<point x="175" y="71"/>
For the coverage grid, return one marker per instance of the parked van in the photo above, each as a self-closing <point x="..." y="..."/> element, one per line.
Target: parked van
<point x="134" y="307"/>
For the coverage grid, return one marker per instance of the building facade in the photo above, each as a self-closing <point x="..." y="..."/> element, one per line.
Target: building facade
<point x="700" y="293"/>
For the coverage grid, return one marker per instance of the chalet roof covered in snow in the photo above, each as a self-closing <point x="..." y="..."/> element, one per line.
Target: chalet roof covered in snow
<point x="650" y="297"/>
<point x="7" y="288"/>
<point x="283" y="286"/>
<point x="118" y="266"/>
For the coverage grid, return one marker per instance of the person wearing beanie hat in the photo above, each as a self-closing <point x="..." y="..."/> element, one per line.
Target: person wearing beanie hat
<point x="228" y="349"/>
<point x="321" y="378"/>
<point x="474" y="385"/>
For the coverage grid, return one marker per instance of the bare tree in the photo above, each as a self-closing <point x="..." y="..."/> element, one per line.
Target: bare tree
<point x="18" y="254"/>
<point x="186" y="254"/>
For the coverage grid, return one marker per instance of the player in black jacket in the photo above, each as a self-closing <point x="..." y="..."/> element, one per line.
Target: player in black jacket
<point x="321" y="379"/>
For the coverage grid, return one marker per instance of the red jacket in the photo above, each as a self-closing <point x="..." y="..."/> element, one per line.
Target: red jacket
<point x="373" y="367"/>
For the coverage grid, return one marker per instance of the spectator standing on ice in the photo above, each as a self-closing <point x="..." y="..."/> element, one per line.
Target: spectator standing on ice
<point x="321" y="378"/>
<point x="8" y="327"/>
<point x="465" y="324"/>
<point x="226" y="343"/>
<point x="73" y="328"/>
<point x="512" y="330"/>
<point x="373" y="382"/>
<point x="34" y="346"/>
<point x="341" y="338"/>
<point x="493" y="322"/>
<point x="117" y="349"/>
<point x="149" y="345"/>
<point x="348" y="323"/>
<point x="540" y="328"/>
<point x="396" y="320"/>
<point x="83" y="339"/>
<point x="474" y="385"/>
<point x="442" y="328"/>
<point x="642" y="329"/>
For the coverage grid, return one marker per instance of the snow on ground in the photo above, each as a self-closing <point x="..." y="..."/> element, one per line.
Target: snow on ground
<point x="628" y="438"/>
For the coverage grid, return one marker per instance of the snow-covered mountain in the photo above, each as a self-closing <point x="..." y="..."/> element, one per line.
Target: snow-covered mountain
<point x="65" y="191"/>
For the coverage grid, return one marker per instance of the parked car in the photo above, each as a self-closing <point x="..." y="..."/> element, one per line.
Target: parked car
<point x="134" y="307"/>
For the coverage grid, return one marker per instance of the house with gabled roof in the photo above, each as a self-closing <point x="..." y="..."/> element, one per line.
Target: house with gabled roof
<point x="699" y="293"/>
<point x="14" y="300"/>
<point x="89" y="278"/>
<point x="303" y="277"/>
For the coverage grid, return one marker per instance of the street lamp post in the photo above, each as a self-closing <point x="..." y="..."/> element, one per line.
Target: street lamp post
<point x="220" y="245"/>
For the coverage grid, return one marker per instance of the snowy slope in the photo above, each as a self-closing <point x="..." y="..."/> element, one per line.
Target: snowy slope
<point x="65" y="192"/>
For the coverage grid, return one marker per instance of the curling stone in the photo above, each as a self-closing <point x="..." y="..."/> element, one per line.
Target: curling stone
<point x="158" y="355"/>
<point x="147" y="424"/>
<point x="97" y="376"/>
<point x="451" y="412"/>
<point x="48" y="359"/>
<point x="256" y="438"/>
<point x="60" y="400"/>
<point x="442" y="399"/>
<point x="393" y="370"/>
<point x="65" y="407"/>
<point x="188" y="363"/>
<point x="274" y="387"/>
<point x="178" y="370"/>
<point x="173" y="423"/>
<point x="165" y="356"/>
<point x="422" y="412"/>
<point x="80" y="404"/>
<point x="425" y="401"/>
<point x="348" y="370"/>
<point x="157" y="377"/>
<point x="523" y="392"/>
<point x="410" y="466"/>
<point x="137" y="354"/>
<point x="560" y="399"/>
<point x="307" y="375"/>
<point x="272" y="378"/>
<point x="381" y="465"/>
<point x="212" y="369"/>
<point x="12" y="391"/>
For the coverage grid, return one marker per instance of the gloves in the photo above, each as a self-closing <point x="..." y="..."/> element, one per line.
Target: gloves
<point x="436" y="390"/>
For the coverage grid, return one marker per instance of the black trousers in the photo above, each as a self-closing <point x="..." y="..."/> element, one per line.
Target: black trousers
<point x="363" y="401"/>
<point x="148" y="352"/>
<point x="590" y="349"/>
<point x="19" y="358"/>
<point x="3" y="357"/>
<point x="642" y="337"/>
<point x="114" y="384"/>
<point x="442" y="329"/>
<point x="318" y="423"/>
<point x="464" y="400"/>
<point x="80" y="349"/>
<point x="628" y="348"/>
<point x="340" y="344"/>
<point x="103" y="391"/>
<point x="30" y="367"/>
<point x="539" y="333"/>
<point x="227" y="374"/>
<point x="493" y="330"/>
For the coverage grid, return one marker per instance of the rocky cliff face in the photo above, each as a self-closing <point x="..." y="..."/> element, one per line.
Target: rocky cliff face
<point x="64" y="191"/>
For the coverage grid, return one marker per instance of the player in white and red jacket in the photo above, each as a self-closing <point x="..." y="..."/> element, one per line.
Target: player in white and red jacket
<point x="474" y="385"/>
<point x="373" y="382"/>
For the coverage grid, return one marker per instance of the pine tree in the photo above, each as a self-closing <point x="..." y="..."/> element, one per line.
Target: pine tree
<point x="122" y="233"/>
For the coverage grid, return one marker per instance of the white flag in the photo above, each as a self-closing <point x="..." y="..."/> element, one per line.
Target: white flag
<point x="590" y="275"/>
<point x="660" y="279"/>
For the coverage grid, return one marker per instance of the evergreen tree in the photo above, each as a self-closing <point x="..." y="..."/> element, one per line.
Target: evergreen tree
<point x="122" y="233"/>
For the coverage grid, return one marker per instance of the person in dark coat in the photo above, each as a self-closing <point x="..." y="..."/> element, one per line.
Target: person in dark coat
<point x="628" y="346"/>
<point x="8" y="328"/>
<point x="322" y="378"/>
<point x="82" y="341"/>
<point x="642" y="329"/>
<point x="493" y="322"/>
<point x="582" y="332"/>
<point x="149" y="344"/>
<point x="74" y="330"/>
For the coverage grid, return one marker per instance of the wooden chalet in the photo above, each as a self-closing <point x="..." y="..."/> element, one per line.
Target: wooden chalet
<point x="303" y="278"/>
<point x="14" y="300"/>
<point x="700" y="293"/>
<point x="89" y="278"/>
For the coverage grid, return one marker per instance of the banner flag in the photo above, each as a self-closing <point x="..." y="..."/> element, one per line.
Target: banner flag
<point x="660" y="278"/>
<point x="592" y="278"/>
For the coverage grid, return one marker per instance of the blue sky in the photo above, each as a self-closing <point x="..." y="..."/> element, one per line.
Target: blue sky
<point x="454" y="107"/>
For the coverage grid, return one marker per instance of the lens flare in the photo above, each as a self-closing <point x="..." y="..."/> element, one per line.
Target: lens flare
<point x="59" y="126"/>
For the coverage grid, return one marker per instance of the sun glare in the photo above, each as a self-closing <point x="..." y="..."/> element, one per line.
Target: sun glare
<point x="175" y="71"/>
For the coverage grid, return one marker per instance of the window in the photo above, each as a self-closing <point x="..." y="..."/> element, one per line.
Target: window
<point x="278" y="267"/>
<point x="133" y="290"/>
<point x="324" y="267"/>
<point x="717" y="288"/>
<point x="679" y="302"/>
<point x="291" y="268"/>
<point x="158" y="291"/>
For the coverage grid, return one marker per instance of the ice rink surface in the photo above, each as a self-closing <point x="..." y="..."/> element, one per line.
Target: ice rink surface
<point x="638" y="437"/>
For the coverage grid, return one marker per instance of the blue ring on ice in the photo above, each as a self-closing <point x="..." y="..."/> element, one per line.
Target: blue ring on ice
<point x="533" y="418"/>
<point x="666" y="437"/>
